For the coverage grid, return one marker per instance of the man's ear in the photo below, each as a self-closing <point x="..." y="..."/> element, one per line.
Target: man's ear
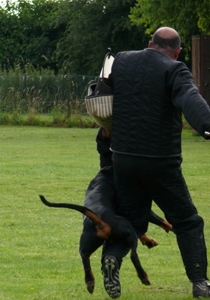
<point x="176" y="54"/>
<point x="150" y="44"/>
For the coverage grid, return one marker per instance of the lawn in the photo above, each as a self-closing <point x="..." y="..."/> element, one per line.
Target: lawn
<point x="39" y="256"/>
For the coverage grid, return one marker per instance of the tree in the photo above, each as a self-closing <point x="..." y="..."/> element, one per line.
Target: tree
<point x="10" y="37"/>
<point x="93" y="26"/>
<point x="179" y="14"/>
<point x="203" y="8"/>
<point x="29" y="33"/>
<point x="66" y="36"/>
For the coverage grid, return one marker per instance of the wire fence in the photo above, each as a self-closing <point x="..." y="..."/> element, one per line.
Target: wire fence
<point x="42" y="93"/>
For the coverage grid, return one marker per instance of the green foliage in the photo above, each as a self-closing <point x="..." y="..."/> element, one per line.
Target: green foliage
<point x="55" y="118"/>
<point x="68" y="37"/>
<point x="92" y="27"/>
<point x="181" y="15"/>
<point x="39" y="245"/>
<point x="31" y="35"/>
<point x="42" y="93"/>
<point x="72" y="37"/>
<point x="203" y="8"/>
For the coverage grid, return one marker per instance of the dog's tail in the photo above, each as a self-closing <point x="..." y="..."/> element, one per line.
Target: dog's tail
<point x="102" y="228"/>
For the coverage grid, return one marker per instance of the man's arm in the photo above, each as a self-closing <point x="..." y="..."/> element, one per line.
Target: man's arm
<point x="186" y="97"/>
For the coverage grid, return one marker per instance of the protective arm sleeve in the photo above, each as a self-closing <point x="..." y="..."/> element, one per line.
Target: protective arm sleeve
<point x="186" y="97"/>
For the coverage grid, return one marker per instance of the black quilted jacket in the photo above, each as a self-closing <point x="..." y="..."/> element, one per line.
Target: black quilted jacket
<point x="150" y="93"/>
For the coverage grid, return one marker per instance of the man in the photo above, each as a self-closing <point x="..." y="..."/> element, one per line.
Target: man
<point x="151" y="90"/>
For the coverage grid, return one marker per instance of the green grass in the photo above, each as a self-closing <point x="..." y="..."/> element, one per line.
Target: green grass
<point x="39" y="256"/>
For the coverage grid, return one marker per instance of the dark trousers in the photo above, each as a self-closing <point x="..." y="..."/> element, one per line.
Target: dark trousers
<point x="117" y="248"/>
<point x="140" y="180"/>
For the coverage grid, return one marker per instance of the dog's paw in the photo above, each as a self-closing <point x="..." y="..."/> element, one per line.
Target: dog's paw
<point x="147" y="241"/>
<point x="90" y="285"/>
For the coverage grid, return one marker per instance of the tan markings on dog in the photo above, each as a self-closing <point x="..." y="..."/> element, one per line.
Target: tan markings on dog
<point x="149" y="242"/>
<point x="102" y="228"/>
<point x="166" y="226"/>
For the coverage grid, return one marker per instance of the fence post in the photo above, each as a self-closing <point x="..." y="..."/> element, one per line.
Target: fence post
<point x="201" y="64"/>
<point x="68" y="89"/>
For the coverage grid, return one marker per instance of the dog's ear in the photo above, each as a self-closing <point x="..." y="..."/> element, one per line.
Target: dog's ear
<point x="106" y="133"/>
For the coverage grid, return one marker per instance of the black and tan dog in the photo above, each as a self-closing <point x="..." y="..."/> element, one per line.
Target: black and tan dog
<point x="101" y="223"/>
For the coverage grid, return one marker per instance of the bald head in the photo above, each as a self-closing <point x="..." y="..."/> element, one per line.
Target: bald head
<point x="167" y="41"/>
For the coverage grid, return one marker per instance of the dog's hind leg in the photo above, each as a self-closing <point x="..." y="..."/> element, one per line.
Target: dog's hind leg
<point x="139" y="269"/>
<point x="89" y="243"/>
<point x="94" y="232"/>
<point x="89" y="277"/>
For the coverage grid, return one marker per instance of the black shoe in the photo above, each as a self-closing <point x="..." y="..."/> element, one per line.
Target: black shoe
<point x="110" y="270"/>
<point x="201" y="289"/>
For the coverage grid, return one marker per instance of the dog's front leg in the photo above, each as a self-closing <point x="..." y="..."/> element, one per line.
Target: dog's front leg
<point x="157" y="220"/>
